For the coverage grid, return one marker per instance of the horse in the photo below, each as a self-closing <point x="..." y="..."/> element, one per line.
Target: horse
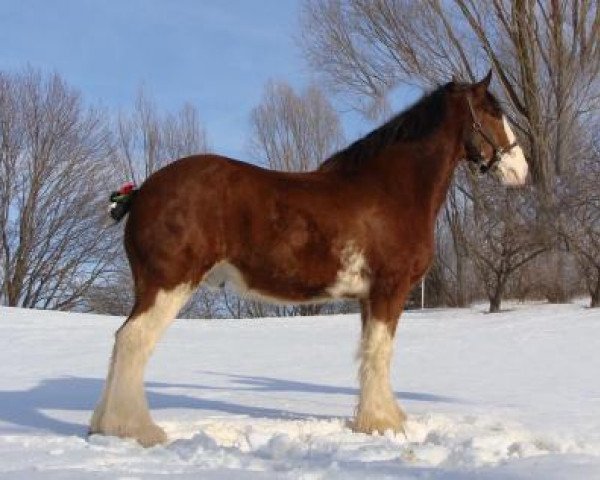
<point x="360" y="226"/>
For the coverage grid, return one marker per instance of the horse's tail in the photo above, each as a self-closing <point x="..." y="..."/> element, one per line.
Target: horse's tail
<point x="121" y="201"/>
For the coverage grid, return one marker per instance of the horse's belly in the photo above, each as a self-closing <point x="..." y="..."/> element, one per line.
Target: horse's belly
<point x="347" y="283"/>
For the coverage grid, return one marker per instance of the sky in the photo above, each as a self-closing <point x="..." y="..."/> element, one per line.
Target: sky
<point x="215" y="54"/>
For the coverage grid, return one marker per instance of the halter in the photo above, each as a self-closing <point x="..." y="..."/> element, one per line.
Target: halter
<point x="474" y="152"/>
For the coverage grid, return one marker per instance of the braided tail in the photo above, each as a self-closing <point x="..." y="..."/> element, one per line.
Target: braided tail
<point x="121" y="201"/>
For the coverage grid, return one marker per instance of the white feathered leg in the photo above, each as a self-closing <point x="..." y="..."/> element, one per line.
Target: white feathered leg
<point x="123" y="409"/>
<point x="377" y="409"/>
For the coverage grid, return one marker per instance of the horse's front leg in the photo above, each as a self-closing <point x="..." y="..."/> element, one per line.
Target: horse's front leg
<point x="377" y="409"/>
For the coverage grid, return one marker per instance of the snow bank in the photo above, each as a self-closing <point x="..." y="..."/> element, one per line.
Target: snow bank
<point x="513" y="395"/>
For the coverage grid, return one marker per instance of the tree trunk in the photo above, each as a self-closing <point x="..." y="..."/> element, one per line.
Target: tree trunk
<point x="495" y="301"/>
<point x="595" y="293"/>
<point x="556" y="290"/>
<point x="496" y="295"/>
<point x="461" y="297"/>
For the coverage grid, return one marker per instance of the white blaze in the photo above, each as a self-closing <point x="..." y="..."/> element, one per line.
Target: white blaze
<point x="512" y="166"/>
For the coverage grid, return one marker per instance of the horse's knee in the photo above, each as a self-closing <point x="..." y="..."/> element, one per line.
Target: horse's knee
<point x="128" y="336"/>
<point x="149" y="318"/>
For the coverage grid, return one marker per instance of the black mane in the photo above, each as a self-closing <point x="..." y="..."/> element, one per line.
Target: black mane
<point x="418" y="121"/>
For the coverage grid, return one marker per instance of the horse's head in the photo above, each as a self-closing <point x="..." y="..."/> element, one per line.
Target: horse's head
<point x="489" y="141"/>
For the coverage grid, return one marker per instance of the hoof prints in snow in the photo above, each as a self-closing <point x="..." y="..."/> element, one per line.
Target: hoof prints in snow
<point x="433" y="441"/>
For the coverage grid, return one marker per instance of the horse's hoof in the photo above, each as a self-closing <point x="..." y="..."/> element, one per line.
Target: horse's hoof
<point x="146" y="435"/>
<point x="376" y="425"/>
<point x="376" y="422"/>
<point x="150" y="435"/>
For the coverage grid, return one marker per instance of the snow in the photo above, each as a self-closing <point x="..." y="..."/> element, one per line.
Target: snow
<point x="513" y="395"/>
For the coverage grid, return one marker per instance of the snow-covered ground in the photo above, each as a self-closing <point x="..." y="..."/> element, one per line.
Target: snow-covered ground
<point x="514" y="395"/>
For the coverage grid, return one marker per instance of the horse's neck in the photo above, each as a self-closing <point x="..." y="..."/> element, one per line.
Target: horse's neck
<point x="440" y="183"/>
<point x="427" y="174"/>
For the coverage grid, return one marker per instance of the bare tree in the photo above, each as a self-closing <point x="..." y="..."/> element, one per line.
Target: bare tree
<point x="53" y="164"/>
<point x="452" y="259"/>
<point x="546" y="56"/>
<point x="502" y="239"/>
<point x="294" y="132"/>
<point x="205" y="303"/>
<point x="147" y="140"/>
<point x="111" y="295"/>
<point x="580" y="225"/>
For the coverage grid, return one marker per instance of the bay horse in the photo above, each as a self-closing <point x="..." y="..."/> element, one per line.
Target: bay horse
<point x="360" y="226"/>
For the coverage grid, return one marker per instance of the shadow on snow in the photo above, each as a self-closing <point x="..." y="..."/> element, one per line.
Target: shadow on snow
<point x="26" y="407"/>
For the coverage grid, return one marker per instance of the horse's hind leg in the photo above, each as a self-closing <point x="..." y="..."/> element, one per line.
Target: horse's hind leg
<point x="123" y="409"/>
<point x="377" y="409"/>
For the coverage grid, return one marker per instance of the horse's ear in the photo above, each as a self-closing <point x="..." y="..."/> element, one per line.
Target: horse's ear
<point x="480" y="87"/>
<point x="456" y="85"/>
